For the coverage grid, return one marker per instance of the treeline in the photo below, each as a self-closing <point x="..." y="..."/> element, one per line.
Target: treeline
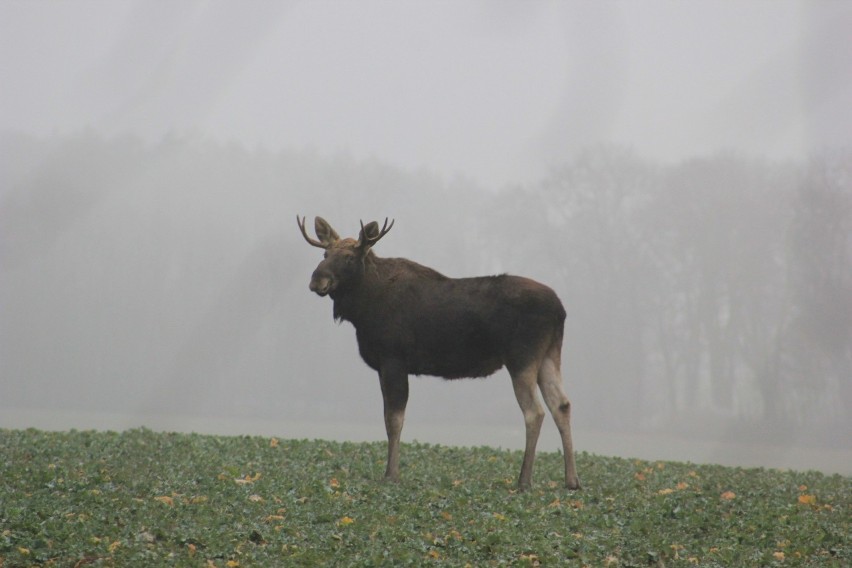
<point x="172" y="277"/>
<point x="715" y="289"/>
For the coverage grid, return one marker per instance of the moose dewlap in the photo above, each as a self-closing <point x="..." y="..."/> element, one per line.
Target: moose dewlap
<point x="410" y="319"/>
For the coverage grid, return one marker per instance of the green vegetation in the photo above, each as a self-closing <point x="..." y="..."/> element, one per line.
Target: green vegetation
<point x="141" y="498"/>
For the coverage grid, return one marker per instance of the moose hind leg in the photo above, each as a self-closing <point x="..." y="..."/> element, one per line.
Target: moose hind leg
<point x="395" y="396"/>
<point x="550" y="383"/>
<point x="524" y="383"/>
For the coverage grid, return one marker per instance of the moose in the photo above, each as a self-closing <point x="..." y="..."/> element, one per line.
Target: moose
<point x="410" y="319"/>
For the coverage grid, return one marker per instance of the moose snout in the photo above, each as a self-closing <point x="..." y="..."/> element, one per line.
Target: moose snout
<point x="321" y="285"/>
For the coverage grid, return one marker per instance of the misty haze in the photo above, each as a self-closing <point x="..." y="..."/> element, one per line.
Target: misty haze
<point x="680" y="175"/>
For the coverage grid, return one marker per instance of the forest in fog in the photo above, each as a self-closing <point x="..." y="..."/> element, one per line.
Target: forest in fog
<point x="171" y="277"/>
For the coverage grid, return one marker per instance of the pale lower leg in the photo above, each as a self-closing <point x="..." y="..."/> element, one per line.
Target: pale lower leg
<point x="393" y="425"/>
<point x="524" y="385"/>
<point x="550" y="383"/>
<point x="394" y="384"/>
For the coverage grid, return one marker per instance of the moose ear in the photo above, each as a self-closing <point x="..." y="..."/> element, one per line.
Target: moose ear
<point x="326" y="234"/>
<point x="369" y="232"/>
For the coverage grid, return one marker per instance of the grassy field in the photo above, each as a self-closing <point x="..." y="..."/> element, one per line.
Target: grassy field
<point x="141" y="498"/>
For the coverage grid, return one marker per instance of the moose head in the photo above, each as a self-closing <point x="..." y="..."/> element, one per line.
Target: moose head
<point x="342" y="267"/>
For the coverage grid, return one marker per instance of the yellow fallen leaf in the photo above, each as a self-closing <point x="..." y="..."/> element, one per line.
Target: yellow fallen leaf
<point x="191" y="548"/>
<point x="807" y="499"/>
<point x="681" y="486"/>
<point x="271" y="518"/>
<point x="434" y="554"/>
<point x="334" y="483"/>
<point x="24" y="551"/>
<point x="447" y="516"/>
<point x="347" y="521"/>
<point x="273" y="442"/>
<point x="255" y="498"/>
<point x="247" y="479"/>
<point x="499" y="517"/>
<point x="803" y="488"/>
<point x="232" y="564"/>
<point x="166" y="500"/>
<point x="778" y="555"/>
<point x="114" y="546"/>
<point x="728" y="495"/>
<point x="665" y="491"/>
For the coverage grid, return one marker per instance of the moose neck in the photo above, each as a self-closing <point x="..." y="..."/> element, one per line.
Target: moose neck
<point x="353" y="305"/>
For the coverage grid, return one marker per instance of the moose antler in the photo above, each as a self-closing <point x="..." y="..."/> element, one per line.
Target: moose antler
<point x="369" y="240"/>
<point x="311" y="241"/>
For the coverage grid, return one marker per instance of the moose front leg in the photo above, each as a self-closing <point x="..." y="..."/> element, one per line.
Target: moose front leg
<point x="394" y="381"/>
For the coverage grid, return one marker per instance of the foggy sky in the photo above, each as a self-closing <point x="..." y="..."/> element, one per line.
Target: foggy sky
<point x="495" y="91"/>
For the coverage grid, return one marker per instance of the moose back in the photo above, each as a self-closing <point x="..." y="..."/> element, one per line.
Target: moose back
<point x="410" y="319"/>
